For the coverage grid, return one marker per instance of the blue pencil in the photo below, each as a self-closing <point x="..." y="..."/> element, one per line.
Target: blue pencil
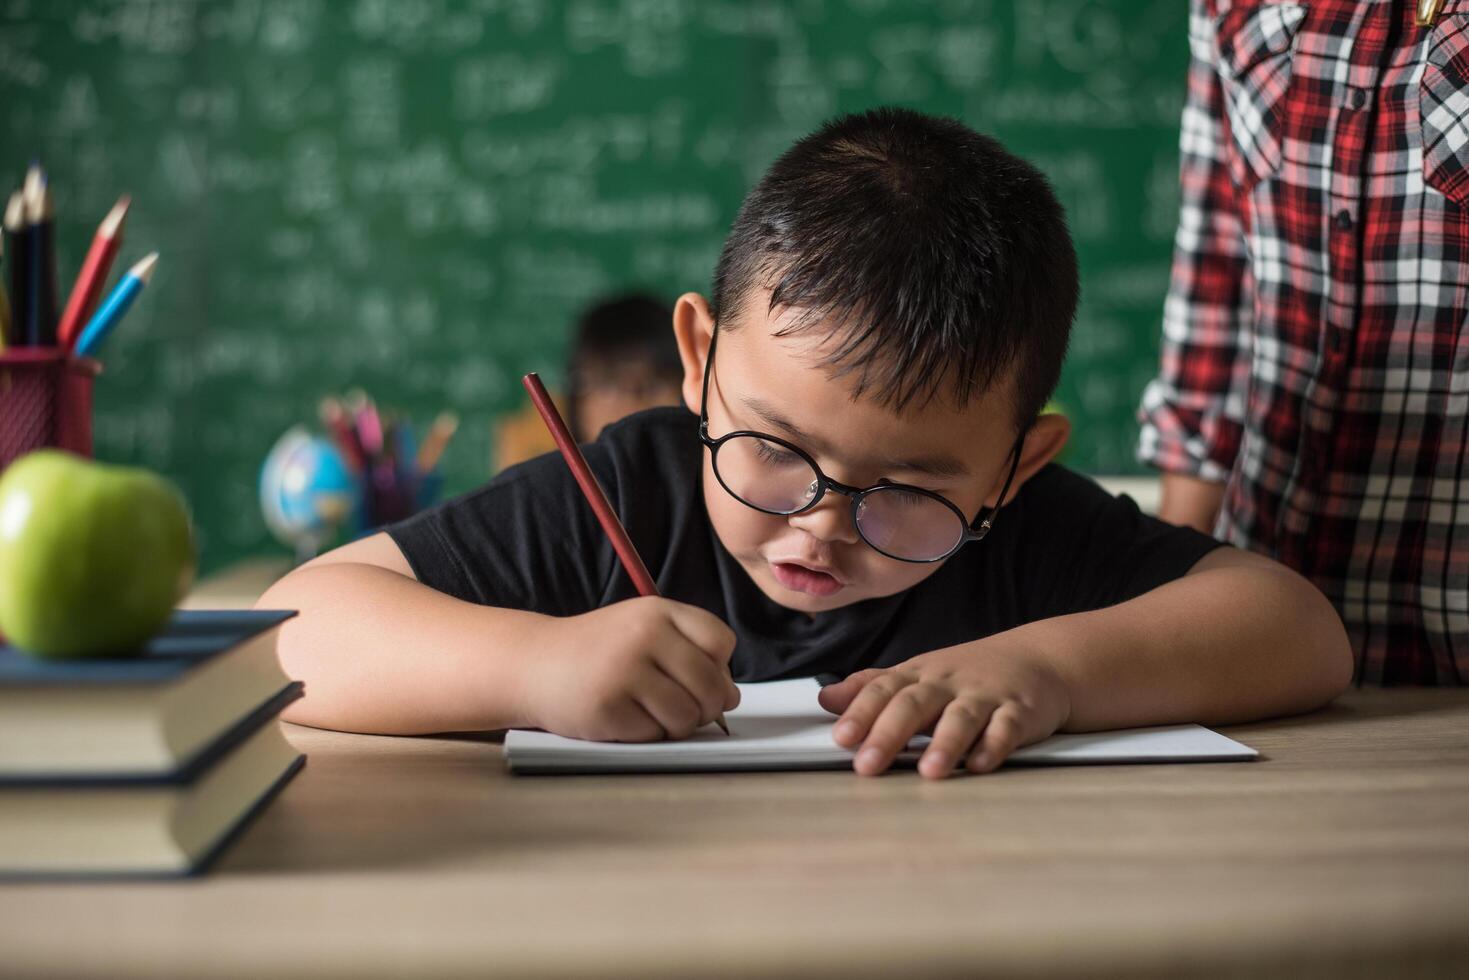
<point x="115" y="307"/>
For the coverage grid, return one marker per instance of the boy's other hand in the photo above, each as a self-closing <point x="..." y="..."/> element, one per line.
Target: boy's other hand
<point x="981" y="700"/>
<point x="635" y="671"/>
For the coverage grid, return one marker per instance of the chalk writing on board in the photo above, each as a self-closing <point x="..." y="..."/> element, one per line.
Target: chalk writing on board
<point x="417" y="196"/>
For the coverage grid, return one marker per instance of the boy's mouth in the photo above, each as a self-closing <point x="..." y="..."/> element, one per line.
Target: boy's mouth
<point x="799" y="578"/>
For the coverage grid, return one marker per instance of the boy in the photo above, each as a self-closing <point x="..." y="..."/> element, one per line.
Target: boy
<point x="890" y="311"/>
<point x="623" y="361"/>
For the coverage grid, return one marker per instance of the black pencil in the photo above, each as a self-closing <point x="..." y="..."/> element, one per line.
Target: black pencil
<point x="41" y="232"/>
<point x="4" y="302"/>
<point x="15" y="248"/>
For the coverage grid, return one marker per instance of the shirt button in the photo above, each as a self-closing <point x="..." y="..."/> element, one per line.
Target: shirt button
<point x="1356" y="97"/>
<point x="1343" y="220"/>
<point x="1334" y="336"/>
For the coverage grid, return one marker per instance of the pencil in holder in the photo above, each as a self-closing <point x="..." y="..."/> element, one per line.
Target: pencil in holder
<point x="45" y="401"/>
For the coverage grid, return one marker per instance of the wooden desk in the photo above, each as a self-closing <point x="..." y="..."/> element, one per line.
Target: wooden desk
<point x="238" y="585"/>
<point x="1345" y="851"/>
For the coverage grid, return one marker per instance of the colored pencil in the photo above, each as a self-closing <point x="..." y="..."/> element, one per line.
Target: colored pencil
<point x="18" y="248"/>
<point x="369" y="423"/>
<point x="405" y="452"/>
<point x="40" y="325"/>
<point x="436" y="441"/>
<point x="334" y="417"/>
<point x="4" y="303"/>
<point x="93" y="276"/>
<point x="592" y="490"/>
<point x="115" y="307"/>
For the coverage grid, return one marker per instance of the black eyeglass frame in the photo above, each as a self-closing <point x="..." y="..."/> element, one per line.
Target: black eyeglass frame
<point x="973" y="530"/>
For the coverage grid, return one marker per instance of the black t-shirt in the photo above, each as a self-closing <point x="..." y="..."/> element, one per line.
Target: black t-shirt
<point x="529" y="540"/>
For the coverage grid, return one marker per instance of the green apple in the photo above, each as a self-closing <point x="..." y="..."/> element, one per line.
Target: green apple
<point x="93" y="557"/>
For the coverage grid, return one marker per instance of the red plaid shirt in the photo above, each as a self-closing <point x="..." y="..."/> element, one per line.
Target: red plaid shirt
<point x="1315" y="355"/>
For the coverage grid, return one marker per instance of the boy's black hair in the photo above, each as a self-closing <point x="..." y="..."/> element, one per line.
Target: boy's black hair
<point x="630" y="328"/>
<point x="937" y="258"/>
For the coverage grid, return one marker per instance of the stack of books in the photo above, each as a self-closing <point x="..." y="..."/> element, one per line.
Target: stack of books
<point x="145" y="765"/>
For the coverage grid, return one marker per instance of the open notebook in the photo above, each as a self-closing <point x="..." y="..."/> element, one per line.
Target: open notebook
<point x="779" y="726"/>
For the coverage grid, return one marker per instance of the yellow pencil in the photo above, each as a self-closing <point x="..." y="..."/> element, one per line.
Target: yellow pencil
<point x="436" y="441"/>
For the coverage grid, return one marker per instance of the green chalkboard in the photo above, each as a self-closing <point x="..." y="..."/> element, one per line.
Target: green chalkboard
<point x="416" y="196"/>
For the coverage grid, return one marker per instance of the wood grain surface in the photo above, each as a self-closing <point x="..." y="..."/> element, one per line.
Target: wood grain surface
<point x="1344" y="851"/>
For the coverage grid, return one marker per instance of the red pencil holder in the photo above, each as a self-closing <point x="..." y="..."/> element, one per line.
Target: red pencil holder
<point x="45" y="400"/>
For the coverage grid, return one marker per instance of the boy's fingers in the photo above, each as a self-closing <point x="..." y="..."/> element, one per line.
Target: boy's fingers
<point x="862" y="709"/>
<point x="909" y="711"/>
<point x="704" y="630"/>
<point x="632" y="723"/>
<point x="707" y="682"/>
<point x="1000" y="738"/>
<point x="837" y="697"/>
<point x="958" y="729"/>
<point x="673" y="708"/>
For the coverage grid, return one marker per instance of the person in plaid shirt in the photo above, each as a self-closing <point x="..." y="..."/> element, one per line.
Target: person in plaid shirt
<point x="1313" y="396"/>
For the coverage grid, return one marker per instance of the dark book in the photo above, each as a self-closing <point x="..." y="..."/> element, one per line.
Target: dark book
<point x="151" y="715"/>
<point x="174" y="824"/>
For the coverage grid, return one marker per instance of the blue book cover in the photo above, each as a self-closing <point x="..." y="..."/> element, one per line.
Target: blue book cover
<point x="192" y="637"/>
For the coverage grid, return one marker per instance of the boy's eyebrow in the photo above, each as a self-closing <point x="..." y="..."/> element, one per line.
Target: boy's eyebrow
<point x="938" y="465"/>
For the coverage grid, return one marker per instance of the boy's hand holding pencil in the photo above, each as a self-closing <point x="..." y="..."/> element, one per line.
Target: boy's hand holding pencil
<point x="705" y="637"/>
<point x="641" y="670"/>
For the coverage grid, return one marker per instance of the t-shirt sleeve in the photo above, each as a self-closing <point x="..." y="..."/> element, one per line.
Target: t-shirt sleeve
<point x="1081" y="548"/>
<point x="525" y="540"/>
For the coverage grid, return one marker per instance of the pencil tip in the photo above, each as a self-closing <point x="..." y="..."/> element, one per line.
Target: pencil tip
<point x="144" y="269"/>
<point x="112" y="224"/>
<point x="723" y="725"/>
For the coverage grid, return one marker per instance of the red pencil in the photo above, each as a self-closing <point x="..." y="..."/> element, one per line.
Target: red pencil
<point x="88" y="287"/>
<point x="592" y="490"/>
<point x="369" y="423"/>
<point x="334" y="417"/>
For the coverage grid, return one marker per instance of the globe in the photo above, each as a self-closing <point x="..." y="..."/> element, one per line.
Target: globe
<point x="307" y="491"/>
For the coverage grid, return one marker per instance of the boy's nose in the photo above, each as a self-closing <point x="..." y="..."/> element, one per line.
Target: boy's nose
<point x="830" y="520"/>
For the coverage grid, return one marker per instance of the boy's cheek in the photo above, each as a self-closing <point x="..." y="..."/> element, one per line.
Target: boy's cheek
<point x="747" y="534"/>
<point x="742" y="530"/>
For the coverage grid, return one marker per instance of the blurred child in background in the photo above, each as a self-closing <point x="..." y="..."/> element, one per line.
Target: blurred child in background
<point x="623" y="359"/>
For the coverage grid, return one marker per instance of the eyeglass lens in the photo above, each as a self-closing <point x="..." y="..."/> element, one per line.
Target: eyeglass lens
<point x="770" y="477"/>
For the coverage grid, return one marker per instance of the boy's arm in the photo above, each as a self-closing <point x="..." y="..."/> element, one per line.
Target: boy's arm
<point x="1237" y="638"/>
<point x="381" y="652"/>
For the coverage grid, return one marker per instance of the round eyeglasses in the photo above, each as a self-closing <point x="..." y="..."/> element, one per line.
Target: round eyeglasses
<point x="907" y="523"/>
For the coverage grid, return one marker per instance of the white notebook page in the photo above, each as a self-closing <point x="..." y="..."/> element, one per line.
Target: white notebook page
<point x="779" y="725"/>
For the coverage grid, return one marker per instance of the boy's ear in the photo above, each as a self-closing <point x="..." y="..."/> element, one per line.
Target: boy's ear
<point x="693" y="328"/>
<point x="1046" y="438"/>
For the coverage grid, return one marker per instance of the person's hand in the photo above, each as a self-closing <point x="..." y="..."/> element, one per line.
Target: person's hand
<point x="635" y="671"/>
<point x="981" y="700"/>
